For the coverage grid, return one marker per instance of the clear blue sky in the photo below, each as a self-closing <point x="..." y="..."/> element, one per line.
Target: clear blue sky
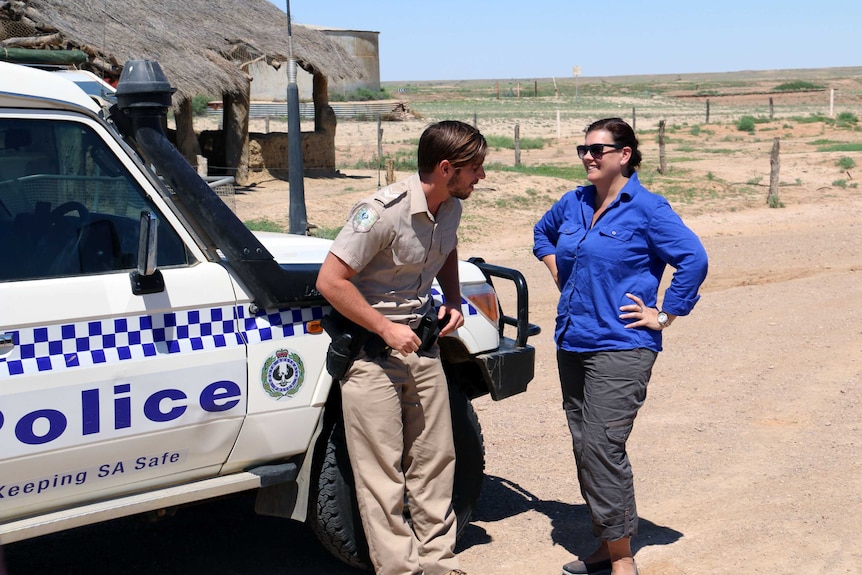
<point x="508" y="39"/>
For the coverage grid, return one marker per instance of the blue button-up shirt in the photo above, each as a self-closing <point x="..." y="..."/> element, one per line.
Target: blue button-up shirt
<point x="625" y="252"/>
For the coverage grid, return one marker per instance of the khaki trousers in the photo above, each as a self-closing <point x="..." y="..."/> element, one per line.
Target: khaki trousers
<point x="398" y="427"/>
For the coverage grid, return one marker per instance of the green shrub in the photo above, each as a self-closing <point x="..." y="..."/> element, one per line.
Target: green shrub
<point x="572" y="173"/>
<point x="839" y="147"/>
<point x="846" y="120"/>
<point x="810" y="119"/>
<point x="325" y="233"/>
<point x="496" y="142"/>
<point x="796" y="86"/>
<point x="360" y="95"/>
<point x="199" y="105"/>
<point x="746" y="124"/>
<point x="846" y="163"/>
<point x="263" y="225"/>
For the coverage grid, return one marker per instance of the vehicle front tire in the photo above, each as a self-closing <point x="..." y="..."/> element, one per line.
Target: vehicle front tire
<point x="333" y="511"/>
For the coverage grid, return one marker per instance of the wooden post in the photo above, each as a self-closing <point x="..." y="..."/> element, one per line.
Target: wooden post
<point x="236" y="110"/>
<point x="634" y="119"/>
<point x="774" y="164"/>
<point x="559" y="132"/>
<point x="707" y="111"/>
<point x="320" y="97"/>
<point x="771" y="109"/>
<point x="203" y="170"/>
<point x="475" y="120"/>
<point x="517" y="144"/>
<point x="536" y="88"/>
<point x="379" y="139"/>
<point x="390" y="171"/>
<point x="662" y="167"/>
<point x="518" y="89"/>
<point x="187" y="140"/>
<point x="498" y="90"/>
<point x="832" y="103"/>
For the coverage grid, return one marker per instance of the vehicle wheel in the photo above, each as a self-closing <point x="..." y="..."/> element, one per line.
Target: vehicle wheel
<point x="333" y="511"/>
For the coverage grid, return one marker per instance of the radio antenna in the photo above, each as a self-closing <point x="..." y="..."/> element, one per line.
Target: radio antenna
<point x="297" y="216"/>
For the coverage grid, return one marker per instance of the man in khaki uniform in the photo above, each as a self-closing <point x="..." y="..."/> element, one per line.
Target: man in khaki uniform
<point x="378" y="275"/>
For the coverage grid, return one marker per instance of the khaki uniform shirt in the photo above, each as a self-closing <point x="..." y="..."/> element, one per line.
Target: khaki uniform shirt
<point x="397" y="247"/>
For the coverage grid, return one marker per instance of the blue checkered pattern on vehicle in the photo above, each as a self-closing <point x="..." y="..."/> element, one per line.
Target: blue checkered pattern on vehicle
<point x="66" y="346"/>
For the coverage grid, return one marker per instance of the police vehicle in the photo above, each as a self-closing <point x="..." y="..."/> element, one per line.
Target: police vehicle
<point x="154" y="352"/>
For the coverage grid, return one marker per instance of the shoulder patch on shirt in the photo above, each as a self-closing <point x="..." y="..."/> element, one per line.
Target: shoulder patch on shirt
<point x="364" y="218"/>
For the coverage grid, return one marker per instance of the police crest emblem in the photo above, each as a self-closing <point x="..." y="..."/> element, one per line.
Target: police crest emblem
<point x="282" y="374"/>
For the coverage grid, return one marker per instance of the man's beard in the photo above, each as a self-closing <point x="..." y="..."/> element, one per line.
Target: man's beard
<point x="456" y="190"/>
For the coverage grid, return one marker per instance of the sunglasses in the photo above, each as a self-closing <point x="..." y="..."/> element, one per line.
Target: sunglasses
<point x="597" y="150"/>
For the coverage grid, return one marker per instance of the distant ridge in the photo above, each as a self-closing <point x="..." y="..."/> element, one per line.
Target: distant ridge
<point x="748" y="75"/>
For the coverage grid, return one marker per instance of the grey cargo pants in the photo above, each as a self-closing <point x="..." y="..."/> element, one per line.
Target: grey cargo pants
<point x="602" y="393"/>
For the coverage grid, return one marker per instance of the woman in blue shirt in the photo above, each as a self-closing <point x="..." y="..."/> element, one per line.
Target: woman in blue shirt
<point x="607" y="246"/>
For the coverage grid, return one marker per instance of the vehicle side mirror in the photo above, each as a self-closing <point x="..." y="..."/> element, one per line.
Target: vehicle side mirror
<point x="147" y="279"/>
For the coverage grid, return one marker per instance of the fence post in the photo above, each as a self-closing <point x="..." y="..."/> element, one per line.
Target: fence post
<point x="475" y="120"/>
<point x="707" y="111"/>
<point x="662" y="167"/>
<point x="771" y="109"/>
<point x="379" y="139"/>
<point x="390" y="171"/>
<point x="634" y="120"/>
<point x="774" y="164"/>
<point x="517" y="144"/>
<point x="379" y="149"/>
<point x="559" y="132"/>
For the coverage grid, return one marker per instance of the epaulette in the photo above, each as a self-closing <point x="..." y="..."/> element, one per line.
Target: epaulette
<point x="391" y="195"/>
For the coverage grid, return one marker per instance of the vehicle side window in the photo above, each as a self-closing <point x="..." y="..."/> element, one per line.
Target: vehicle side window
<point x="68" y="206"/>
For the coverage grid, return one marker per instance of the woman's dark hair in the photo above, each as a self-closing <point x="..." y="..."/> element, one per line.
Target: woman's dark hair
<point x="622" y="134"/>
<point x="460" y="143"/>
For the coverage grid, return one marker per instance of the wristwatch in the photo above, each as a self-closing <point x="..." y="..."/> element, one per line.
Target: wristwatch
<point x="663" y="319"/>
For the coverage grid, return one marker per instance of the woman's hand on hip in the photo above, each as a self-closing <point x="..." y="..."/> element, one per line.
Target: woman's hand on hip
<point x="641" y="315"/>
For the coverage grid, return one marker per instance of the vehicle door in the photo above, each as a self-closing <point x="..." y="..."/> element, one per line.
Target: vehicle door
<point x="103" y="391"/>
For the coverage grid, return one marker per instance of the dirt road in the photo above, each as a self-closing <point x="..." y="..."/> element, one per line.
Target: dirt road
<point x="747" y="453"/>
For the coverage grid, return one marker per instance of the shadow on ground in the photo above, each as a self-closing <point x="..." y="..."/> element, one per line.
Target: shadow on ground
<point x="571" y="528"/>
<point x="227" y="537"/>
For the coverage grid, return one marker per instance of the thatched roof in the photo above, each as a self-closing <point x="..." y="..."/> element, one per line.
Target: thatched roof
<point x="199" y="43"/>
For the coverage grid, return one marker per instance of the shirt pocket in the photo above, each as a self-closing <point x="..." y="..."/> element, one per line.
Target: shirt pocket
<point x="615" y="244"/>
<point x="408" y="251"/>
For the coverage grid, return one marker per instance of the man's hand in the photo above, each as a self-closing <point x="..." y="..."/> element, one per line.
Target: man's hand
<point x="456" y="319"/>
<point x="401" y="338"/>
